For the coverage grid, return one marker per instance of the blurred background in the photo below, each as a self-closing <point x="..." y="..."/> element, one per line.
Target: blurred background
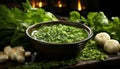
<point x="63" y="7"/>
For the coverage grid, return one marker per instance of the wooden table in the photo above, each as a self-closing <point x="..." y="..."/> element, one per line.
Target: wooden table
<point x="112" y="62"/>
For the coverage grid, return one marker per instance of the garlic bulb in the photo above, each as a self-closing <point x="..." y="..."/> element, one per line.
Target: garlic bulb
<point x="17" y="53"/>
<point x="112" y="46"/>
<point x="101" y="38"/>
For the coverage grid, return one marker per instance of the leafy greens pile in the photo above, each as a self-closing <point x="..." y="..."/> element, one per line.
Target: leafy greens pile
<point x="14" y="21"/>
<point x="98" y="23"/>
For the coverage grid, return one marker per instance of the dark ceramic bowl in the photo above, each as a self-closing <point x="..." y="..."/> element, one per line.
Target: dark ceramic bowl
<point x="59" y="50"/>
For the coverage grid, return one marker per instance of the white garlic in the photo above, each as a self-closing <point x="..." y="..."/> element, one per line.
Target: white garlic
<point x="27" y="53"/>
<point x="101" y="38"/>
<point x="112" y="46"/>
<point x="3" y="57"/>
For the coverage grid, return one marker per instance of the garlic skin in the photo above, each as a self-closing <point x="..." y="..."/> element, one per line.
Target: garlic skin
<point x="3" y="57"/>
<point x="20" y="57"/>
<point x="12" y="55"/>
<point x="7" y="50"/>
<point x="101" y="38"/>
<point x="27" y="53"/>
<point x="112" y="46"/>
<point x="19" y="49"/>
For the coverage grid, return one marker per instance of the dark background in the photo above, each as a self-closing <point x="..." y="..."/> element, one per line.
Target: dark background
<point x="109" y="7"/>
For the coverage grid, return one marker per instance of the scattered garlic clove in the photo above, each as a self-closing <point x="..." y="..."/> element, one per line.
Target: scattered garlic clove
<point x="27" y="53"/>
<point x="17" y="53"/>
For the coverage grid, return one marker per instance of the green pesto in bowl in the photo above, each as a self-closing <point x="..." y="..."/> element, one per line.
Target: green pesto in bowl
<point x="59" y="39"/>
<point x="59" y="33"/>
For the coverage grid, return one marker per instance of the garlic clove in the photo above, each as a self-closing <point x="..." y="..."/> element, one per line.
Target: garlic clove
<point x="27" y="53"/>
<point x="7" y="50"/>
<point x="13" y="54"/>
<point x="19" y="49"/>
<point x="3" y="57"/>
<point x="20" y="58"/>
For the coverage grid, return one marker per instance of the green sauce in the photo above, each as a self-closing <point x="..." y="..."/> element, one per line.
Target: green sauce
<point x="59" y="33"/>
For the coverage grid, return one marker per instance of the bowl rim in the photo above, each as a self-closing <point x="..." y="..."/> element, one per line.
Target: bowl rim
<point x="90" y="33"/>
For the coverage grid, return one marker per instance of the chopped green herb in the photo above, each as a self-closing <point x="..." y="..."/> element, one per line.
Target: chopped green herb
<point x="59" y="33"/>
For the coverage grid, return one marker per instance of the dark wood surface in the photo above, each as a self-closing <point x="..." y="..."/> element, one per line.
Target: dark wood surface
<point x="112" y="62"/>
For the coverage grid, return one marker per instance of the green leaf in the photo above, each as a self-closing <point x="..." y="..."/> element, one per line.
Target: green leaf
<point x="27" y="6"/>
<point x="100" y="19"/>
<point x="91" y="15"/>
<point x="116" y="19"/>
<point x="74" y="16"/>
<point x="49" y="17"/>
